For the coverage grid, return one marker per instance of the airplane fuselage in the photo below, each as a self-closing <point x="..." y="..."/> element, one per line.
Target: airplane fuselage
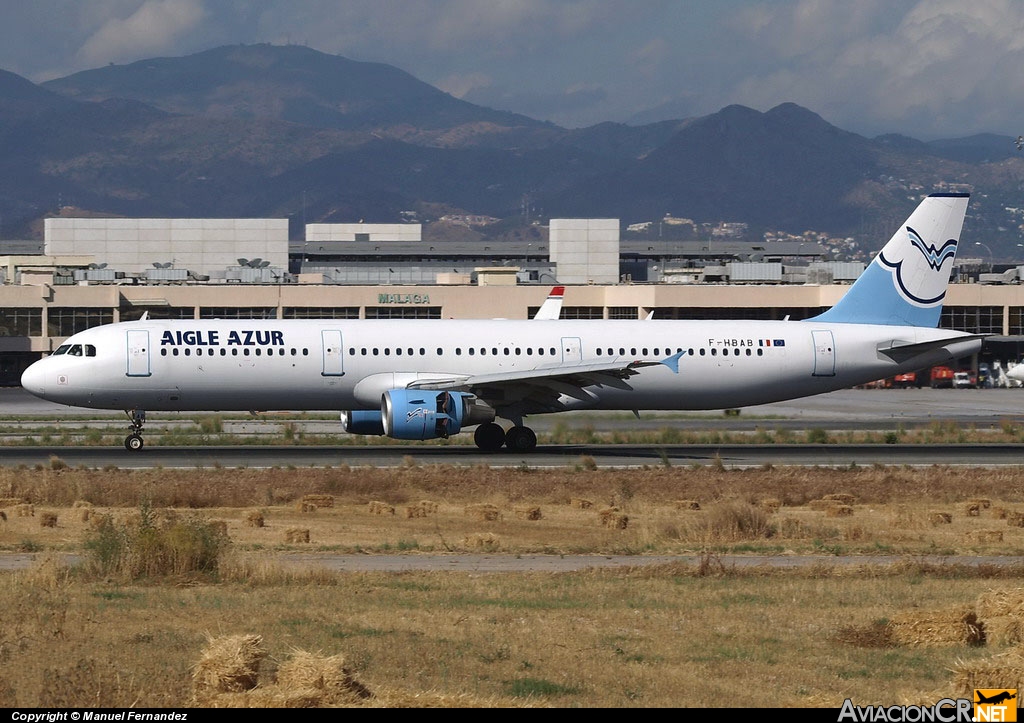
<point x="223" y="365"/>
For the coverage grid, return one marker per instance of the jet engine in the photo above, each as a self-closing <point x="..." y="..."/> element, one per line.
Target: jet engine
<point x="425" y="414"/>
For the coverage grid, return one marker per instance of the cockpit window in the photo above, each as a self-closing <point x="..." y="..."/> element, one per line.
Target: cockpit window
<point x="90" y="350"/>
<point x="62" y="349"/>
<point x="75" y="350"/>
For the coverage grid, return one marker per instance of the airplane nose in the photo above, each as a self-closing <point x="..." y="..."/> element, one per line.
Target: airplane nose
<point x="32" y="380"/>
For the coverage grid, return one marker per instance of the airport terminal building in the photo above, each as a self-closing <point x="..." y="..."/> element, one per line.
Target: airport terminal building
<point x="98" y="271"/>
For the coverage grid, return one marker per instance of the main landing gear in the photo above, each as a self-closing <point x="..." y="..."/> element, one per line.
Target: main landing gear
<point x="490" y="437"/>
<point x="133" y="442"/>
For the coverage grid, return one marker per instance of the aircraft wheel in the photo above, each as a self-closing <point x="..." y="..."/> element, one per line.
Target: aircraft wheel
<point x="521" y="439"/>
<point x="133" y="442"/>
<point x="489" y="437"/>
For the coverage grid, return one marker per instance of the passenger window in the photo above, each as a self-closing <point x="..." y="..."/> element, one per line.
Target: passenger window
<point x="472" y="351"/>
<point x="305" y="352"/>
<point x="351" y="351"/>
<point x="507" y="351"/>
<point x="702" y="352"/>
<point x="748" y="352"/>
<point x="458" y="351"/>
<point x="223" y="352"/>
<point x="188" y="352"/>
<point x="494" y="351"/>
<point x="257" y="351"/>
<point x="174" y="351"/>
<point x="540" y="351"/>
<point x="163" y="352"/>
<point x="244" y="351"/>
<point x="234" y="352"/>
<point x="714" y="352"/>
<point x="529" y="351"/>
<point x="760" y="352"/>
<point x="440" y="352"/>
<point x="599" y="351"/>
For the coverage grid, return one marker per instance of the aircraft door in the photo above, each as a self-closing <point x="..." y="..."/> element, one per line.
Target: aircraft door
<point x="333" y="353"/>
<point x="824" y="354"/>
<point x="572" y="349"/>
<point x="138" y="353"/>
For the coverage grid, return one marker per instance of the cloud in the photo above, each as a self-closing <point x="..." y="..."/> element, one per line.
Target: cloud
<point x="938" y="68"/>
<point x="153" y="27"/>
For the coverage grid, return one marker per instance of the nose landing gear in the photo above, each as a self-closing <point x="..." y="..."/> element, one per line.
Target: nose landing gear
<point x="133" y="442"/>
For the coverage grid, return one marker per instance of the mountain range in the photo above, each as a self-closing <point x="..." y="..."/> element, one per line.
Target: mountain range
<point x="287" y="131"/>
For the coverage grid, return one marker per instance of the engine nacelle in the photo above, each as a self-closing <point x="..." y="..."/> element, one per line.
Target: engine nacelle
<point x="424" y="414"/>
<point x="363" y="422"/>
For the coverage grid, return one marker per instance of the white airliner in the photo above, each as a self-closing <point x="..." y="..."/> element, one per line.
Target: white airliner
<point x="416" y="379"/>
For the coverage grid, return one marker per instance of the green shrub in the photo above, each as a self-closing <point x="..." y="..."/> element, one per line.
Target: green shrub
<point x="144" y="548"/>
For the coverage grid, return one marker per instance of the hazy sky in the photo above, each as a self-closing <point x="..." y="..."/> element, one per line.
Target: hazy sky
<point x="926" y="68"/>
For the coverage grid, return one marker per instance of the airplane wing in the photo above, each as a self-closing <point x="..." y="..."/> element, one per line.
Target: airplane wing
<point x="552" y="306"/>
<point x="541" y="387"/>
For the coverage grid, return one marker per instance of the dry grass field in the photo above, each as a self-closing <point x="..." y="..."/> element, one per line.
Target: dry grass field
<point x="243" y="630"/>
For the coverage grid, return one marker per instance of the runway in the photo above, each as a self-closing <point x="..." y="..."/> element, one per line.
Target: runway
<point x="854" y="409"/>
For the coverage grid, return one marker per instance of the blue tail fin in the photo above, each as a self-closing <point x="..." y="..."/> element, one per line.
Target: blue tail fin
<point x="906" y="283"/>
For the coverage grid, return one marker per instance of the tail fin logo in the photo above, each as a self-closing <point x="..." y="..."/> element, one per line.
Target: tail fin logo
<point x="918" y="276"/>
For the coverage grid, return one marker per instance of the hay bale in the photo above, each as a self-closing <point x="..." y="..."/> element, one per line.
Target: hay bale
<point x="1002" y="671"/>
<point x="48" y="519"/>
<point x="972" y="509"/>
<point x="430" y="506"/>
<point x="613" y="518"/>
<point x="998" y="603"/>
<point x="319" y="500"/>
<point x="296" y="534"/>
<point x="98" y="521"/>
<point x="25" y="510"/>
<point x="771" y="504"/>
<point x="484" y="512"/>
<point x="1004" y="630"/>
<point x="923" y="628"/>
<point x="985" y="536"/>
<point x="1015" y="519"/>
<point x="380" y="508"/>
<point x="839" y="511"/>
<point x="820" y="505"/>
<point x="254" y="518"/>
<point x="327" y="675"/>
<point x="581" y="503"/>
<point x="482" y="541"/>
<point x="11" y="501"/>
<point x="528" y="513"/>
<point x="687" y="505"/>
<point x="229" y="664"/>
<point x="940" y="518"/>
<point x="305" y="507"/>
<point x="982" y="502"/>
<point x="78" y="504"/>
<point x="415" y="511"/>
<point x="1000" y="513"/>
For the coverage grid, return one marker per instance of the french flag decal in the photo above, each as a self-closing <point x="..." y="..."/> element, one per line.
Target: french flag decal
<point x="771" y="342"/>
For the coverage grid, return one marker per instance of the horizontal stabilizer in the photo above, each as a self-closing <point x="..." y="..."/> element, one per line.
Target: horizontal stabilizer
<point x="900" y="351"/>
